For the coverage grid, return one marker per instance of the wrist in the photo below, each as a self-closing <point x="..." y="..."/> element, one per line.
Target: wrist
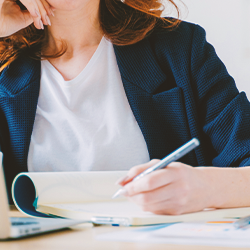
<point x="226" y="187"/>
<point x="215" y="193"/>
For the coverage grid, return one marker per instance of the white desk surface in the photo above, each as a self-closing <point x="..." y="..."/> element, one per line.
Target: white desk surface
<point x="85" y="240"/>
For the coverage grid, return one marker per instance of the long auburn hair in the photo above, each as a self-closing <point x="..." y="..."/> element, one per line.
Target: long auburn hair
<point x="123" y="22"/>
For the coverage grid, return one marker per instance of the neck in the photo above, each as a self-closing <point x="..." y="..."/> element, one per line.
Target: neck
<point x="79" y="28"/>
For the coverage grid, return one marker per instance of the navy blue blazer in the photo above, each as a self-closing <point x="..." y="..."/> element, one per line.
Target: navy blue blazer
<point x="176" y="86"/>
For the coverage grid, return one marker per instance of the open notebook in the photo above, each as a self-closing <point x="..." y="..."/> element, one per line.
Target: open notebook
<point x="87" y="196"/>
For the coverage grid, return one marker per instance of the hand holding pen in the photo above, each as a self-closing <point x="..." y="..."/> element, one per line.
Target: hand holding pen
<point x="177" y="154"/>
<point x="175" y="189"/>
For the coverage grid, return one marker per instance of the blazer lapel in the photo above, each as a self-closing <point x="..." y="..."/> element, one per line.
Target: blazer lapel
<point x="20" y="85"/>
<point x="141" y="76"/>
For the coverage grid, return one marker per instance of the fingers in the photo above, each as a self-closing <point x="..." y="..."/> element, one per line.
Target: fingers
<point x="49" y="9"/>
<point x="134" y="171"/>
<point x="167" y="207"/>
<point x="154" y="196"/>
<point x="44" y="11"/>
<point x="169" y="199"/>
<point x="176" y="202"/>
<point x="39" y="10"/>
<point x="175" y="190"/>
<point x="150" y="182"/>
<point x="174" y="171"/>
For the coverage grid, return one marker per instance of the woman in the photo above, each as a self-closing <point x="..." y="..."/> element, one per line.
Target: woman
<point x="108" y="85"/>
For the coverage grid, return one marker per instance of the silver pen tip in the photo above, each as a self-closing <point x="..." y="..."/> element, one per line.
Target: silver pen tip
<point x="120" y="192"/>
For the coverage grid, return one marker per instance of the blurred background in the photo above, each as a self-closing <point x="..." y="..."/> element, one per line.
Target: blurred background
<point x="227" y="23"/>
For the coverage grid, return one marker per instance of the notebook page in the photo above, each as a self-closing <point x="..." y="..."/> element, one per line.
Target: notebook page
<point x="33" y="189"/>
<point x="135" y="215"/>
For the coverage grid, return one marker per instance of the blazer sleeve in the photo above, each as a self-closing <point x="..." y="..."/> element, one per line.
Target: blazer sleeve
<point x="223" y="112"/>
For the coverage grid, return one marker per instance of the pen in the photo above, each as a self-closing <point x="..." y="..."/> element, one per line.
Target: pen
<point x="177" y="154"/>
<point x="242" y="222"/>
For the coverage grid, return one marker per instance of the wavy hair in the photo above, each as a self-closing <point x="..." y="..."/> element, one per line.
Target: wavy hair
<point x="123" y="22"/>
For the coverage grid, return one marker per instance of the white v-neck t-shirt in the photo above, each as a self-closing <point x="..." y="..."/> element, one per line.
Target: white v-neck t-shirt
<point x="86" y="123"/>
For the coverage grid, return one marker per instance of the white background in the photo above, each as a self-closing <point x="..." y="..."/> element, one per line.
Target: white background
<point x="227" y="23"/>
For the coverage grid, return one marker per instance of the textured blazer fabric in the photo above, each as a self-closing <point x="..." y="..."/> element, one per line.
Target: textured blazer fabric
<point x="176" y="86"/>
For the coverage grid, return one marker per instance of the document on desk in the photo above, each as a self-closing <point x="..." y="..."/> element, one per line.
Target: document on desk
<point x="211" y="233"/>
<point x="87" y="196"/>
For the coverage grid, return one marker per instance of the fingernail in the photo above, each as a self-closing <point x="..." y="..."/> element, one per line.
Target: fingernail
<point x="122" y="179"/>
<point x="52" y="11"/>
<point x="37" y="13"/>
<point x="41" y="25"/>
<point x="48" y="20"/>
<point x="123" y="192"/>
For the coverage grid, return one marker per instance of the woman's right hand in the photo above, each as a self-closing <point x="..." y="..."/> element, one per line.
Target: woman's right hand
<point x="13" y="19"/>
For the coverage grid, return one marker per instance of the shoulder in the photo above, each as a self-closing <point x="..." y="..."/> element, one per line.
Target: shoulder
<point x="18" y="75"/>
<point x="184" y="31"/>
<point x="181" y="38"/>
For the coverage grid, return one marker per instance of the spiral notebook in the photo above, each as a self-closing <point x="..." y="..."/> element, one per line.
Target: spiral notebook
<point x="87" y="196"/>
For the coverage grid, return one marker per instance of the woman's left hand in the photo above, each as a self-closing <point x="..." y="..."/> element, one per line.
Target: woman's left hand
<point x="174" y="190"/>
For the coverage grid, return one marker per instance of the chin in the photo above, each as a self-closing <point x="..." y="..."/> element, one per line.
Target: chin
<point x="68" y="4"/>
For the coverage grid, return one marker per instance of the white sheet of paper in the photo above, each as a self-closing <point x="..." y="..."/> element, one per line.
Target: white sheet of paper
<point x="196" y="233"/>
<point x="121" y="208"/>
